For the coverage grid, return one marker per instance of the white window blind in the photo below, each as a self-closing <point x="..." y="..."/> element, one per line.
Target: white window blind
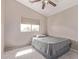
<point x="30" y="21"/>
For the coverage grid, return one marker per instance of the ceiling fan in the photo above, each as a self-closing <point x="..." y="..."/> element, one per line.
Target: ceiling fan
<point x="44" y="2"/>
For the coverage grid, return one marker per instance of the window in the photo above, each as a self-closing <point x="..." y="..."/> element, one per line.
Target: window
<point x="29" y="25"/>
<point x="29" y="28"/>
<point x="35" y="28"/>
<point x="25" y="27"/>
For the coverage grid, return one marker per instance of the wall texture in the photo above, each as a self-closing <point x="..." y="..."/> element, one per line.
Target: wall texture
<point x="2" y="27"/>
<point x="14" y="12"/>
<point x="64" y="24"/>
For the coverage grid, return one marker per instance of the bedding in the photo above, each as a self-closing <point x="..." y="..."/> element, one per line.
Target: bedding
<point x="51" y="47"/>
<point x="40" y="35"/>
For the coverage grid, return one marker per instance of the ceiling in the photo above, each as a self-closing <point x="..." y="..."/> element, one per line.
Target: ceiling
<point x="49" y="9"/>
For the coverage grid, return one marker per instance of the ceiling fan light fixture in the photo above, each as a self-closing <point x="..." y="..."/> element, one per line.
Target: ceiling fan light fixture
<point x="46" y="1"/>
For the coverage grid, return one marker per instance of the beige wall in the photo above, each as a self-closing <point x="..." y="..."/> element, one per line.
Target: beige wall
<point x="2" y="26"/>
<point x="14" y="12"/>
<point x="64" y="24"/>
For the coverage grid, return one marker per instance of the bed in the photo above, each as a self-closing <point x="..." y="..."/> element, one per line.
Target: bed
<point x="51" y="47"/>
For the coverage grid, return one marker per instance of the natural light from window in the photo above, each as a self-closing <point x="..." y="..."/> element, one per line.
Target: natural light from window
<point x="25" y="27"/>
<point x="29" y="28"/>
<point x="35" y="28"/>
<point x="24" y="52"/>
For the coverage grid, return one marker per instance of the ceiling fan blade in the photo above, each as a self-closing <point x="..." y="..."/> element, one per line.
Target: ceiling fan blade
<point x="43" y="5"/>
<point x="52" y="3"/>
<point x="32" y="1"/>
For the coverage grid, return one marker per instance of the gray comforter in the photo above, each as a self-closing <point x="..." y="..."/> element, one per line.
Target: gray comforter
<point x="51" y="47"/>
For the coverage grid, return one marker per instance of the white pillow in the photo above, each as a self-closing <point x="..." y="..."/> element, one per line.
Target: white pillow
<point x="40" y="35"/>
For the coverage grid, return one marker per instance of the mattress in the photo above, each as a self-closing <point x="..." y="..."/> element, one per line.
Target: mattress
<point x="51" y="47"/>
